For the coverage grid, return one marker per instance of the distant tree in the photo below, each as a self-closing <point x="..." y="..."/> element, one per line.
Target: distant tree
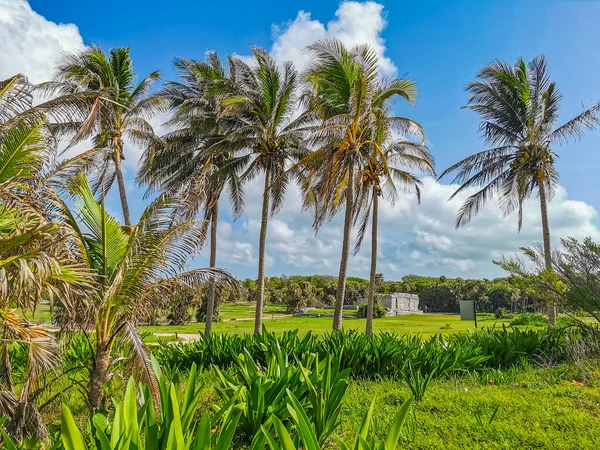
<point x="574" y="279"/>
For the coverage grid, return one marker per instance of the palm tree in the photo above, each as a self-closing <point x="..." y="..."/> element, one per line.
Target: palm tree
<point x="119" y="115"/>
<point x="36" y="258"/>
<point x="519" y="108"/>
<point x="258" y="125"/>
<point x="343" y="84"/>
<point x="137" y="269"/>
<point x="187" y="163"/>
<point x="384" y="165"/>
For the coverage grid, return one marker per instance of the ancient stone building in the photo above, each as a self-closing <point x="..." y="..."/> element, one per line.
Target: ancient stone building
<point x="397" y="304"/>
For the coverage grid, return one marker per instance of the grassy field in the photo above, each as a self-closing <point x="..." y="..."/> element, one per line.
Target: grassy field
<point x="538" y="408"/>
<point x="238" y="318"/>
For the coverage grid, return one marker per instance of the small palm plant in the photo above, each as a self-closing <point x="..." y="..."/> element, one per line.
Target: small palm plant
<point x="37" y="261"/>
<point x="137" y="268"/>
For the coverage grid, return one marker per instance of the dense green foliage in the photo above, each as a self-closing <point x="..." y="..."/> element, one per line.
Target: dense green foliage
<point x="437" y="294"/>
<point x="384" y="355"/>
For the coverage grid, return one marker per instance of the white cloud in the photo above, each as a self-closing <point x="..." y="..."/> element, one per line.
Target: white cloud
<point x="413" y="238"/>
<point x="355" y="23"/>
<point x="31" y="44"/>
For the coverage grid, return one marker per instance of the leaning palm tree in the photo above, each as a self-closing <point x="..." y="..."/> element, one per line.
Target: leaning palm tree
<point x="519" y="108"/>
<point x="343" y="84"/>
<point x="258" y="125"/>
<point x="137" y="269"/>
<point x="119" y="115"/>
<point x="385" y="168"/>
<point x="190" y="162"/>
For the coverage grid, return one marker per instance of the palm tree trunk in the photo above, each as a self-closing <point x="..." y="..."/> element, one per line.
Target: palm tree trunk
<point x="341" y="286"/>
<point x="547" y="245"/>
<point x="260" y="290"/>
<point x="122" y="191"/>
<point x="210" y="303"/>
<point x="371" y="298"/>
<point x="99" y="376"/>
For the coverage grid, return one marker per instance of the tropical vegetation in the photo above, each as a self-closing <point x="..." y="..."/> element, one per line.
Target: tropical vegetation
<point x="332" y="132"/>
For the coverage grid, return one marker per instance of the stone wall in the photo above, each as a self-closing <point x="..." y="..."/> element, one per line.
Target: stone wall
<point x="397" y="304"/>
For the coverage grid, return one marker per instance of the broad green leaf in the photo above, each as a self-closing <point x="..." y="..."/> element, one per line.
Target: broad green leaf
<point x="396" y="428"/>
<point x="71" y="437"/>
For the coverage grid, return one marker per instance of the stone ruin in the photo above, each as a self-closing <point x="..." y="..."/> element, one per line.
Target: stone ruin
<point x="397" y="304"/>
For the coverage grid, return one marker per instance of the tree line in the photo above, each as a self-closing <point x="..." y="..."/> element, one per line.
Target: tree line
<point x="512" y="294"/>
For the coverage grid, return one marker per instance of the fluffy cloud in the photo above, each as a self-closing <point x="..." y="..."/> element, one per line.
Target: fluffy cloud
<point x="30" y="43"/>
<point x="413" y="238"/>
<point x="355" y="23"/>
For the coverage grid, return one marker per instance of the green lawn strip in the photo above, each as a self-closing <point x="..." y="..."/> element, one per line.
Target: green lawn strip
<point x="425" y="324"/>
<point x="536" y="411"/>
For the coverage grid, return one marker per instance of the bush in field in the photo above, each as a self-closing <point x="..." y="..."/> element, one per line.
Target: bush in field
<point x="378" y="311"/>
<point x="501" y="313"/>
<point x="537" y="320"/>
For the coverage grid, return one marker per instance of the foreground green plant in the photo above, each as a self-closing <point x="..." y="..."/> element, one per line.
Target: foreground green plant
<point x="304" y="436"/>
<point x="133" y="426"/>
<point x="264" y="392"/>
<point x="137" y="268"/>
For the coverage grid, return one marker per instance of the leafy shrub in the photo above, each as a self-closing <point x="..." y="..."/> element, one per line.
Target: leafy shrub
<point x="501" y="313"/>
<point x="529" y="319"/>
<point x="385" y="354"/>
<point x="378" y="311"/>
<point x="505" y="347"/>
<point x="261" y="391"/>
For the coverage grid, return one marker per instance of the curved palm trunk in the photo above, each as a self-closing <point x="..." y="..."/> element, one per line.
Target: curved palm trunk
<point x="341" y="286"/>
<point x="121" y="183"/>
<point x="547" y="244"/>
<point x="99" y="376"/>
<point x="260" y="294"/>
<point x="371" y="298"/>
<point x="210" y="303"/>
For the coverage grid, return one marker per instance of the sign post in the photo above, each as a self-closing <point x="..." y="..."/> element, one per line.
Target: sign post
<point x="468" y="311"/>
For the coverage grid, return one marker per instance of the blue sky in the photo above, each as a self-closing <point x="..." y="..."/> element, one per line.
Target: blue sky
<point x="440" y="45"/>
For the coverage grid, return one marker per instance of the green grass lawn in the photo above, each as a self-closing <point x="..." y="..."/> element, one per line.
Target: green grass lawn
<point x="538" y="408"/>
<point x="425" y="324"/>
<point x="238" y="318"/>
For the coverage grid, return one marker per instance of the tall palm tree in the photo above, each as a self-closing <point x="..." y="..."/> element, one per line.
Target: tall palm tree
<point x="257" y="123"/>
<point x="519" y="108"/>
<point x="385" y="168"/>
<point x="137" y="269"/>
<point x="187" y="163"/>
<point x="343" y="83"/>
<point x="120" y="115"/>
